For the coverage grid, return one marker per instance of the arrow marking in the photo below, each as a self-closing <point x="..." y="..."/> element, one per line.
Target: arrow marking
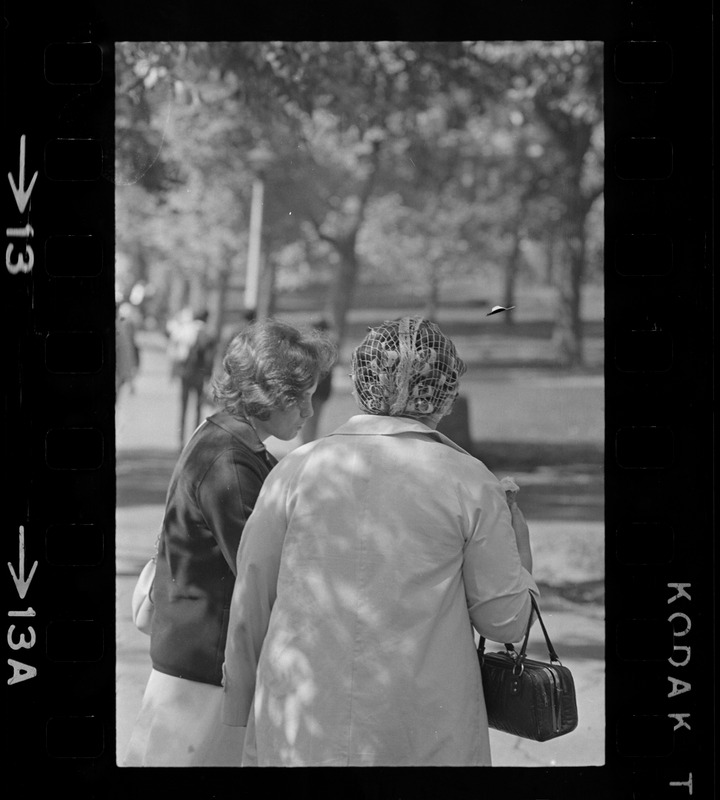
<point x="21" y="195"/>
<point x="21" y="584"/>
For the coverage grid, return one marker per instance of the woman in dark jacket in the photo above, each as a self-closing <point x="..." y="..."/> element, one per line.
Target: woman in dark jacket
<point x="270" y="372"/>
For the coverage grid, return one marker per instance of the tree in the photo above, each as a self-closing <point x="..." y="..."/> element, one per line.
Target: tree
<point x="560" y="84"/>
<point x="328" y="111"/>
<point x="355" y="108"/>
<point x="440" y="155"/>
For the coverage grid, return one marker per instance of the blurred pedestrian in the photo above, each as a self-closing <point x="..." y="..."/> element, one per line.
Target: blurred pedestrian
<point x="192" y="355"/>
<point x="181" y="331"/>
<point x="195" y="372"/>
<point x="126" y="353"/>
<point x="270" y="371"/>
<point x="132" y="317"/>
<point x="371" y="555"/>
<point x="321" y="396"/>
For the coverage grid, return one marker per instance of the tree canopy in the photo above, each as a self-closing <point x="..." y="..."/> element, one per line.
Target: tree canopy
<point x="392" y="161"/>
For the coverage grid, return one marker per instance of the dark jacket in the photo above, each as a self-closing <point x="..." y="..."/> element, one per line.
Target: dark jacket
<point x="212" y="493"/>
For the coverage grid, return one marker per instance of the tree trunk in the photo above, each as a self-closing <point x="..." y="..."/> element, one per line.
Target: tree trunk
<point x="198" y="299"/>
<point x="141" y="264"/>
<point x="343" y="287"/>
<point x="266" y="289"/>
<point x="511" y="272"/>
<point x="574" y="137"/>
<point x="568" y="331"/>
<point x="178" y="293"/>
<point x="552" y="255"/>
<point x="432" y="301"/>
<point x="217" y="314"/>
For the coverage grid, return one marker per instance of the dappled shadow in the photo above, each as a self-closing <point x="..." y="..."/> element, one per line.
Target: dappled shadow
<point x="569" y="492"/>
<point x="571" y="649"/>
<point x="524" y="454"/>
<point x="550" y="501"/>
<point x="534" y="328"/>
<point x="576" y="651"/>
<point x="580" y="592"/>
<point x="572" y="491"/>
<point x="574" y="644"/>
<point x="143" y="476"/>
<point x="369" y="656"/>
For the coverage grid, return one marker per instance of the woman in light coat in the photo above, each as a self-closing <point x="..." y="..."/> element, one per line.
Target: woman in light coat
<point x="371" y="555"/>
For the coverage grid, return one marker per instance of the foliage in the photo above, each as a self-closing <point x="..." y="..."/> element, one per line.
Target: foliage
<point x="405" y="161"/>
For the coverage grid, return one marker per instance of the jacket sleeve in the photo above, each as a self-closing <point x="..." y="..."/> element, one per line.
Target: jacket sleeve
<point x="258" y="565"/>
<point x="226" y="496"/>
<point x="497" y="586"/>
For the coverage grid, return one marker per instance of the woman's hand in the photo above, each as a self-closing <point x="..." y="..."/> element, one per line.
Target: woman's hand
<point x="511" y="489"/>
<point x="520" y="526"/>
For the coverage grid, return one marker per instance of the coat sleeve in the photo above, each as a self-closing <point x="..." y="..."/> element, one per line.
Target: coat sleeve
<point x="258" y="565"/>
<point x="497" y="586"/>
<point x="226" y="496"/>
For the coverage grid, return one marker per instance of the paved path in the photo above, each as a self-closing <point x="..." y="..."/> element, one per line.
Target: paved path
<point x="567" y="407"/>
<point x="566" y="550"/>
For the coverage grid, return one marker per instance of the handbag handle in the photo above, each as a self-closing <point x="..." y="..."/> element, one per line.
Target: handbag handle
<point x="521" y="655"/>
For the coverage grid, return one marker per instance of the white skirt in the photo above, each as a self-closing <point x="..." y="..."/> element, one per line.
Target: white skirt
<point x="180" y="725"/>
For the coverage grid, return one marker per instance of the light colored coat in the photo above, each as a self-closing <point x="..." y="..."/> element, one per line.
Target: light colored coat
<point x="369" y="557"/>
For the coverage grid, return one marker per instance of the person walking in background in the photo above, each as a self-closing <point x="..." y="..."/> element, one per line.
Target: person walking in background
<point x="126" y="352"/>
<point x="181" y="331"/>
<point x="369" y="558"/>
<point x="195" y="371"/>
<point x="132" y="317"/>
<point x="270" y="371"/>
<point x="192" y="355"/>
<point x="321" y="396"/>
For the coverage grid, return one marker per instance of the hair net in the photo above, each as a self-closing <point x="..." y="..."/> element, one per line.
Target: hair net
<point x="406" y="368"/>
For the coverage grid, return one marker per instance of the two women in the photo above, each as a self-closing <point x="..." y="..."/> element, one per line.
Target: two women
<point x="371" y="555"/>
<point x="270" y="373"/>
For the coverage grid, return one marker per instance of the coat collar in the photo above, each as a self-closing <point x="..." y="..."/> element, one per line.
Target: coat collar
<point x="239" y="429"/>
<point x="376" y="425"/>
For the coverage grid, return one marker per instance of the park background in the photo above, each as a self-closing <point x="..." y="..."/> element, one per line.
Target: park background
<point x="359" y="182"/>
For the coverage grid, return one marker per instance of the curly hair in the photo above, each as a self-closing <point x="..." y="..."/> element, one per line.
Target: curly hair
<point x="268" y="365"/>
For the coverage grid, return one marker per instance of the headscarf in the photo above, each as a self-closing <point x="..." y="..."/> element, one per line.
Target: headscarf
<point x="406" y="368"/>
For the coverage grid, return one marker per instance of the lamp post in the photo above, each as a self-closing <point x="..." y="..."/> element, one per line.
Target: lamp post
<point x="260" y="159"/>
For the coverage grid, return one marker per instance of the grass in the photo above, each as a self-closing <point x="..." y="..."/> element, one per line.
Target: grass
<point x="481" y="340"/>
<point x="471" y="296"/>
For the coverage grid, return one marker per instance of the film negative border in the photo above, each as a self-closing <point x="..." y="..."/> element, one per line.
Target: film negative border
<point x="58" y="428"/>
<point x="59" y="330"/>
<point x="658" y="229"/>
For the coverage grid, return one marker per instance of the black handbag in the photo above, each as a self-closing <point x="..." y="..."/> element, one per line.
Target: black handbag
<point x="532" y="699"/>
